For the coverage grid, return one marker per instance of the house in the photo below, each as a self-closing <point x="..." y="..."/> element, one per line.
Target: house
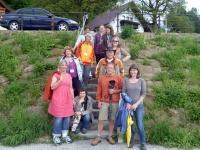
<point x="4" y="8"/>
<point x="117" y="18"/>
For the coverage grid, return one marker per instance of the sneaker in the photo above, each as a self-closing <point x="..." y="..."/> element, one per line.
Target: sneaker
<point x="77" y="131"/>
<point x="67" y="139"/>
<point x="96" y="141"/>
<point x="84" y="131"/>
<point x="56" y="140"/>
<point x="142" y="147"/>
<point x="111" y="140"/>
<point x="130" y="145"/>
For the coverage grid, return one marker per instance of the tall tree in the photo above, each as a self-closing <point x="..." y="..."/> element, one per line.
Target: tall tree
<point x="155" y="8"/>
<point x="178" y="19"/>
<point x="195" y="18"/>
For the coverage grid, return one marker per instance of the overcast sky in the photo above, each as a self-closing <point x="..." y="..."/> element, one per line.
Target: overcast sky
<point x="193" y="3"/>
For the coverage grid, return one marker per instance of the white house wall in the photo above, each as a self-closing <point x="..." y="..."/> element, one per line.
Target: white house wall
<point x="125" y="15"/>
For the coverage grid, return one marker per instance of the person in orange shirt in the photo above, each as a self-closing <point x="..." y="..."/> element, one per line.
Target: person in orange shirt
<point x="108" y="96"/>
<point x="85" y="53"/>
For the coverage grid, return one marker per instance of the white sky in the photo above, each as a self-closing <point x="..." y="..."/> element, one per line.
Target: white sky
<point x="193" y="3"/>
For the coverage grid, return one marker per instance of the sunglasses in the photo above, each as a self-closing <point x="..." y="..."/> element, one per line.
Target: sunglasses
<point x="115" y="41"/>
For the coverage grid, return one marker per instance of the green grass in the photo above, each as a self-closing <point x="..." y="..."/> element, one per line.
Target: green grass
<point x="19" y="125"/>
<point x="176" y="102"/>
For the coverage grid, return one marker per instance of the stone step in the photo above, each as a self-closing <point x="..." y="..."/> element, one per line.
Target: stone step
<point x="92" y="87"/>
<point x="92" y="94"/>
<point x="93" y="81"/>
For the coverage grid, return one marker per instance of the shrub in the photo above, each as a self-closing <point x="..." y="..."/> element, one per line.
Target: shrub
<point x="65" y="38"/>
<point x="193" y="112"/>
<point x="163" y="134"/>
<point x="23" y="127"/>
<point x="170" y="94"/>
<point x="146" y="62"/>
<point x="161" y="76"/>
<point x="9" y="63"/>
<point x="127" y="32"/>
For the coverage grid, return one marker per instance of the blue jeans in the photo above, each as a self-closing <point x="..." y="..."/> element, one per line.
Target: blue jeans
<point x="86" y="74"/>
<point x="139" y="114"/>
<point x="60" y="124"/>
<point x="84" y="122"/>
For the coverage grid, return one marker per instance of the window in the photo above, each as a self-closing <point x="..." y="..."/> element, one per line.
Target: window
<point x="41" y="12"/>
<point x="25" y="11"/>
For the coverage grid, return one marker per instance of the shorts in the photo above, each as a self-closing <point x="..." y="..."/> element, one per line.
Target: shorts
<point x="103" y="112"/>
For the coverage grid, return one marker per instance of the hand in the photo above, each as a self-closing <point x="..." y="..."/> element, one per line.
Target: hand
<point x="78" y="113"/>
<point x="128" y="106"/>
<point x="99" y="104"/>
<point x="134" y="107"/>
<point x="111" y="91"/>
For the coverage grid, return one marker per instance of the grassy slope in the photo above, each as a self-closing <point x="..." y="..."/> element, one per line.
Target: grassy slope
<point x="173" y="116"/>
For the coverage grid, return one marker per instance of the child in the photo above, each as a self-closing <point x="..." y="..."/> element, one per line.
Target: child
<point x="83" y="107"/>
<point x="61" y="104"/>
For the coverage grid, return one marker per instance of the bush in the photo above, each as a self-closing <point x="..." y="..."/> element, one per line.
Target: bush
<point x="161" y="76"/>
<point x="137" y="44"/>
<point x="9" y="63"/>
<point x="171" y="95"/>
<point x="23" y="127"/>
<point x="127" y="32"/>
<point x="163" y="134"/>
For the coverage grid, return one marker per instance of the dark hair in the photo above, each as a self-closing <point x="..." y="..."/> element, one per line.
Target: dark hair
<point x="85" y="99"/>
<point x="111" y="29"/>
<point x="134" y="66"/>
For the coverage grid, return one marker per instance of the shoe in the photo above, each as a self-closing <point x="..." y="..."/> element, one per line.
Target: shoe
<point x="130" y="145"/>
<point x="142" y="147"/>
<point x="96" y="141"/>
<point x="56" y="140"/>
<point x="111" y="140"/>
<point x="67" y="139"/>
<point x="77" y="131"/>
<point x="84" y="131"/>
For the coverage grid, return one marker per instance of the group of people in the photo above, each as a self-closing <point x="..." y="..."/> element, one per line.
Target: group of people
<point x="69" y="87"/>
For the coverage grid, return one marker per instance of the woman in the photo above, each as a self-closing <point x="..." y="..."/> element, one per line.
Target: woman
<point x="120" y="53"/>
<point x="83" y="108"/>
<point x="107" y="38"/>
<point x="74" y="69"/>
<point x="61" y="104"/>
<point x="98" y="39"/>
<point x="135" y="87"/>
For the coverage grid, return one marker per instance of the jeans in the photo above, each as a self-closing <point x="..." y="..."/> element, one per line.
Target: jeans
<point x="60" y="124"/>
<point x="139" y="114"/>
<point x="86" y="74"/>
<point x="84" y="122"/>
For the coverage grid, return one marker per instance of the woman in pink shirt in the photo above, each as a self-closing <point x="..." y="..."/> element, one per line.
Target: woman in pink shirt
<point x="61" y="104"/>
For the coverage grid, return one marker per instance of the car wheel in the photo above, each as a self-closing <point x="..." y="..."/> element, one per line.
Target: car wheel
<point x="62" y="26"/>
<point x="14" y="25"/>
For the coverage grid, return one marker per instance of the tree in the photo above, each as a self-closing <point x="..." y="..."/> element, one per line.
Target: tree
<point x="155" y="8"/>
<point x="178" y="19"/>
<point x="195" y="18"/>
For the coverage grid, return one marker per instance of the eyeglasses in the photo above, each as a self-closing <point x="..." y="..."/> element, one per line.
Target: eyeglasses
<point x="115" y="41"/>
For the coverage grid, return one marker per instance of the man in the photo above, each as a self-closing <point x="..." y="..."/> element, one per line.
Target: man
<point x="110" y="58"/>
<point x="108" y="98"/>
<point x="98" y="40"/>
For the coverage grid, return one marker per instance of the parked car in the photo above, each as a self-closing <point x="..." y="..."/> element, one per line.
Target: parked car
<point x="36" y="18"/>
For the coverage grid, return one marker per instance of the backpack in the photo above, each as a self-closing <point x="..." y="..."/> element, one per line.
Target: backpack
<point x="47" y="93"/>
